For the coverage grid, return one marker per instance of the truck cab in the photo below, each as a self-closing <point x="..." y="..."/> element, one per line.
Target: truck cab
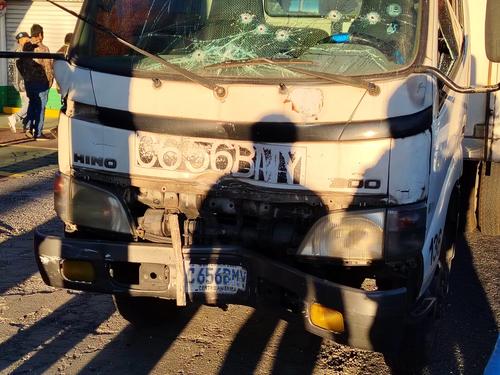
<point x="296" y="155"/>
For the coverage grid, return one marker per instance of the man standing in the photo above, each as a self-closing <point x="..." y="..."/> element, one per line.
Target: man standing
<point x="37" y="39"/>
<point x="67" y="42"/>
<point x="21" y="38"/>
<point x="35" y="81"/>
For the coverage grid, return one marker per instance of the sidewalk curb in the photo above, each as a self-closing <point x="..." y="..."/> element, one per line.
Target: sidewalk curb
<point x="50" y="113"/>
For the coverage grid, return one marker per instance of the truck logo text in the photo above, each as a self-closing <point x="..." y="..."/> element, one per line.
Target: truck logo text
<point x="269" y="163"/>
<point x="95" y="161"/>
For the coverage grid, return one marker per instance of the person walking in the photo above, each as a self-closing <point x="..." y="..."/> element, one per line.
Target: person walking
<point x="22" y="38"/>
<point x="41" y="87"/>
<point x="35" y="82"/>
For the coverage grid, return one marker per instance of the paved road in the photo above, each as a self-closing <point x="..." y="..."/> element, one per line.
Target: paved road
<point x="20" y="155"/>
<point x="43" y="329"/>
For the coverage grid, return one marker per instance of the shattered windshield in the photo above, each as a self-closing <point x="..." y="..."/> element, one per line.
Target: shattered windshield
<point x="342" y="37"/>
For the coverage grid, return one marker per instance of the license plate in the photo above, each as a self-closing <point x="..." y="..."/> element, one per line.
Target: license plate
<point x="216" y="278"/>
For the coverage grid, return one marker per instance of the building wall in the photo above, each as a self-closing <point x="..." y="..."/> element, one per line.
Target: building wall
<point x="20" y="16"/>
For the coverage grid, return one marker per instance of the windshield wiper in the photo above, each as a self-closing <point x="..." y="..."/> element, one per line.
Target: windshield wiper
<point x="258" y="61"/>
<point x="371" y="87"/>
<point x="219" y="91"/>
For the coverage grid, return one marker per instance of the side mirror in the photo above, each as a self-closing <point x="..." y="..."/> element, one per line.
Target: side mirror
<point x="492" y="31"/>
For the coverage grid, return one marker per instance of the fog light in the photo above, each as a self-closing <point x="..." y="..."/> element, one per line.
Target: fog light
<point x="78" y="271"/>
<point x="326" y="318"/>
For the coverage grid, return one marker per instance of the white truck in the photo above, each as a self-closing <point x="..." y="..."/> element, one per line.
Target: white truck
<point x="297" y="155"/>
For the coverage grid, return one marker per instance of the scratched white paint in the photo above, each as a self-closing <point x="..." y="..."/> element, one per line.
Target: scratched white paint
<point x="306" y="102"/>
<point x="410" y="154"/>
<point x="252" y="103"/>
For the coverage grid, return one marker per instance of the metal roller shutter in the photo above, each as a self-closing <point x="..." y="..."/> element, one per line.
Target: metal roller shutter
<point x="56" y="23"/>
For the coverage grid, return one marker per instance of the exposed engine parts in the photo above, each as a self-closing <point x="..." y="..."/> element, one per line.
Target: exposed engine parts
<point x="223" y="220"/>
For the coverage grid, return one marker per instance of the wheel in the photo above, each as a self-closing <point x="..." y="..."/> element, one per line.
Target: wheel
<point x="419" y="336"/>
<point x="414" y="350"/>
<point x="145" y="311"/>
<point x="416" y="347"/>
<point x="489" y="200"/>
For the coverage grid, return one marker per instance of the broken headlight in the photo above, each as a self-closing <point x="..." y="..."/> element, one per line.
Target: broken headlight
<point x="89" y="206"/>
<point x="360" y="237"/>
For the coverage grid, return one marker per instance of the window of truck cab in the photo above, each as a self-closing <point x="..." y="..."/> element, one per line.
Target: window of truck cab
<point x="347" y="37"/>
<point x="450" y="42"/>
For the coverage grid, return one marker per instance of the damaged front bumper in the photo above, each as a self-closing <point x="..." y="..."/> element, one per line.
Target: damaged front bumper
<point x="372" y="320"/>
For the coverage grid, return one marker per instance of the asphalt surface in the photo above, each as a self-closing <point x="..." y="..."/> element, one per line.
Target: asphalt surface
<point x="47" y="330"/>
<point x="20" y="155"/>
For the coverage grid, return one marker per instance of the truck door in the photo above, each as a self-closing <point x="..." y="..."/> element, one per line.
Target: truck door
<point x="453" y="60"/>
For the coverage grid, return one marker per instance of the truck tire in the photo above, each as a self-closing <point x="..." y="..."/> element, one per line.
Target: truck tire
<point x="414" y="351"/>
<point x="489" y="201"/>
<point x="145" y="311"/>
<point x="417" y="345"/>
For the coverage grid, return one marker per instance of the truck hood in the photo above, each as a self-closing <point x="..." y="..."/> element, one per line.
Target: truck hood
<point x="304" y="103"/>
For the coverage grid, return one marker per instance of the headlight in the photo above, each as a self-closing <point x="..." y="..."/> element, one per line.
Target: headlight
<point x="354" y="237"/>
<point x="89" y="206"/>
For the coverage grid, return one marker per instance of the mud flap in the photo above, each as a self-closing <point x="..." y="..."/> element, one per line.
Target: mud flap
<point x="173" y="221"/>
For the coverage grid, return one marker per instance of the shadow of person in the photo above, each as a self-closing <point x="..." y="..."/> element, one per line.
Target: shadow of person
<point x="263" y="207"/>
<point x="140" y="349"/>
<point x="468" y="330"/>
<point x="428" y="342"/>
<point x="50" y="336"/>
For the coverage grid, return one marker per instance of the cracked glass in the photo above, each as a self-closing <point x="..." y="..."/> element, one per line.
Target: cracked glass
<point x="342" y="37"/>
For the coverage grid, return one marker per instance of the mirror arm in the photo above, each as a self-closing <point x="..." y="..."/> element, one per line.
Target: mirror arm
<point x="452" y="85"/>
<point x="31" y="55"/>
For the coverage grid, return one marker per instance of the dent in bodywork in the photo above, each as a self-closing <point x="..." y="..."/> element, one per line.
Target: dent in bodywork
<point x="409" y="168"/>
<point x="74" y="82"/>
<point x="417" y="89"/>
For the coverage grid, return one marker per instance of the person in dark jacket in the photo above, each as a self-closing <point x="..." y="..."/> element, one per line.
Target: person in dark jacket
<point x="38" y="78"/>
<point x="36" y="83"/>
<point x="18" y="81"/>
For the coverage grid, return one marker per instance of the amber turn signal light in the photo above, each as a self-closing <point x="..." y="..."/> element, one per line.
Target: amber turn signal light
<point x="326" y="318"/>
